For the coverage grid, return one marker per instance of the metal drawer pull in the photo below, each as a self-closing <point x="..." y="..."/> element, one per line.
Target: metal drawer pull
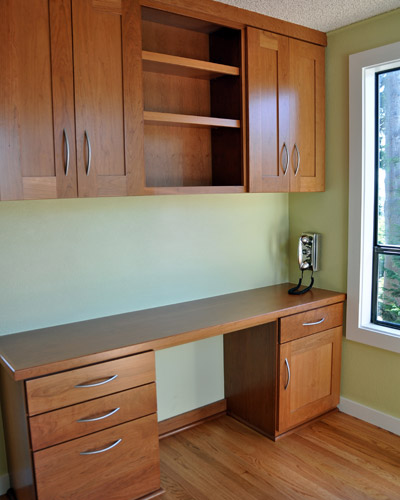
<point x="298" y="160"/>
<point x="315" y="322"/>
<point x="98" y="383"/>
<point x="284" y="147"/>
<point x="288" y="373"/>
<point x="101" y="451"/>
<point x="89" y="162"/>
<point x="66" y="166"/>
<point x="98" y="418"/>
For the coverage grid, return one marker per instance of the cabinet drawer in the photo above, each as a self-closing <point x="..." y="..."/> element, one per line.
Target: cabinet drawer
<point x="79" y="420"/>
<point x="75" y="386"/>
<point x="121" y="463"/>
<point x="309" y="322"/>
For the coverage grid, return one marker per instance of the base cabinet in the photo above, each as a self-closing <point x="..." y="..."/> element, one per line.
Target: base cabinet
<point x="277" y="381"/>
<point x="89" y="433"/>
<point x="309" y="377"/>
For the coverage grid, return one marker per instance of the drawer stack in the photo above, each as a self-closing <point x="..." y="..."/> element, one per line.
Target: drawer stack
<point x="94" y="431"/>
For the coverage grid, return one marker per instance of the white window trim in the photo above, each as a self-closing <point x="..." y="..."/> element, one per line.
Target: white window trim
<point x="362" y="69"/>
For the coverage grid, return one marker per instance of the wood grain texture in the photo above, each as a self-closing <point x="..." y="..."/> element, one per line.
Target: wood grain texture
<point x="250" y="365"/>
<point x="187" y="51"/>
<point x="295" y="327"/>
<point x="129" y="470"/>
<point x="177" y="156"/>
<point x="59" y="390"/>
<point x="27" y="147"/>
<point x="99" y="99"/>
<point x="268" y="101"/>
<point x="39" y="352"/>
<point x="307" y="116"/>
<point x="16" y="435"/>
<point x="133" y="97"/>
<point x="63" y="425"/>
<point x="182" y="66"/>
<point x="232" y="16"/>
<point x="63" y="97"/>
<point x="337" y="457"/>
<point x="153" y="117"/>
<point x="189" y="419"/>
<point x="194" y="189"/>
<point x="314" y="384"/>
<point x="228" y="158"/>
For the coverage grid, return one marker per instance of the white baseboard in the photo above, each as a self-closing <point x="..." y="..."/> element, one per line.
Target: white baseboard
<point x="375" y="417"/>
<point x="4" y="484"/>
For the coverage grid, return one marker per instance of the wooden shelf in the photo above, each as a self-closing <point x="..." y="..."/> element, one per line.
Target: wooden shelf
<point x="156" y="118"/>
<point x="182" y="66"/>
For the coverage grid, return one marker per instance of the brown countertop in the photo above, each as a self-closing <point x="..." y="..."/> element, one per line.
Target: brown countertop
<point x="48" y="350"/>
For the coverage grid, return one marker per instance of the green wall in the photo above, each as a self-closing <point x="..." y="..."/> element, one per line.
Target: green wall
<point x="369" y="376"/>
<point x="68" y="260"/>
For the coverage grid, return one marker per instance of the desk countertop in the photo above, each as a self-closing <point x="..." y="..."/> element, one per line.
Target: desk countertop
<point x="48" y="350"/>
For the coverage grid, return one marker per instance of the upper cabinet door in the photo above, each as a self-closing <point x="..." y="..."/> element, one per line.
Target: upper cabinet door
<point x="307" y="116"/>
<point x="268" y="94"/>
<point x="100" y="88"/>
<point x="286" y="102"/>
<point x="37" y="141"/>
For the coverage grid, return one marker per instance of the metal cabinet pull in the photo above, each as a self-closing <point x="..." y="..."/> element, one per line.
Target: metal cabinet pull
<point x="315" y="322"/>
<point x="285" y="169"/>
<point x="101" y="451"/>
<point x="98" y="418"/>
<point x="89" y="162"/>
<point x="66" y="142"/>
<point x="298" y="159"/>
<point x="95" y="384"/>
<point x="288" y="373"/>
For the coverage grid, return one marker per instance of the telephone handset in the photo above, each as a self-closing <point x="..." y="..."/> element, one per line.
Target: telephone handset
<point x="308" y="253"/>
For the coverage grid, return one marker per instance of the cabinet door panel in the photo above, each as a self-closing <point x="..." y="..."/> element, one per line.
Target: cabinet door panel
<point x="309" y="377"/>
<point x="268" y="79"/>
<point x="63" y="97"/>
<point x="27" y="152"/>
<point x="99" y="100"/>
<point x="307" y="112"/>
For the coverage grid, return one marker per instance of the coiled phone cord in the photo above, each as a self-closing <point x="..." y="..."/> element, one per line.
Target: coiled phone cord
<point x="295" y="290"/>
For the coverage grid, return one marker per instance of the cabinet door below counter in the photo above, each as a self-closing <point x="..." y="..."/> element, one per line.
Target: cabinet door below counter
<point x="309" y="377"/>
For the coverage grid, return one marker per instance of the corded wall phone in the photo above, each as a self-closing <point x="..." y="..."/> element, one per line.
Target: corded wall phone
<point x="308" y="253"/>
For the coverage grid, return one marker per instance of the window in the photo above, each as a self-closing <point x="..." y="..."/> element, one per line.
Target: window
<point x="385" y="308"/>
<point x="373" y="313"/>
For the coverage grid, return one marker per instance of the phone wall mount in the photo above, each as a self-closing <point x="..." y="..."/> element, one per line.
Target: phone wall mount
<point x="308" y="258"/>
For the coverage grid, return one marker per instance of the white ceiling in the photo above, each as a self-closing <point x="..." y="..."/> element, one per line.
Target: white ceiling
<point x="323" y="15"/>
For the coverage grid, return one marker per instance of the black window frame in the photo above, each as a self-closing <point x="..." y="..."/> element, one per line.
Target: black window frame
<point x="379" y="249"/>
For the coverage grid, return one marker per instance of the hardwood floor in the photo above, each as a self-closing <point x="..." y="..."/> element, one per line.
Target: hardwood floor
<point x="338" y="457"/>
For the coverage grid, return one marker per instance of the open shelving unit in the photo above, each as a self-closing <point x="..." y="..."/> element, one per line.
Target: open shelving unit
<point x="193" y="105"/>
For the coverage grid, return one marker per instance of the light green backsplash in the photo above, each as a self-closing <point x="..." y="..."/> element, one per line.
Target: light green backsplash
<point x="369" y="375"/>
<point x="69" y="260"/>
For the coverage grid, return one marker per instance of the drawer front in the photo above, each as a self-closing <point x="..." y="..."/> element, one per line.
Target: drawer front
<point x="309" y="322"/>
<point x="75" y="386"/>
<point x="79" y="420"/>
<point x="127" y="469"/>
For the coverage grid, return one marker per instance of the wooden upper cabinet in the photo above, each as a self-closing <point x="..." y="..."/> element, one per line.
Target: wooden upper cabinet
<point x="37" y="115"/>
<point x="307" y="116"/>
<point x="99" y="70"/>
<point x="72" y="70"/>
<point x="268" y="101"/>
<point x="286" y="113"/>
